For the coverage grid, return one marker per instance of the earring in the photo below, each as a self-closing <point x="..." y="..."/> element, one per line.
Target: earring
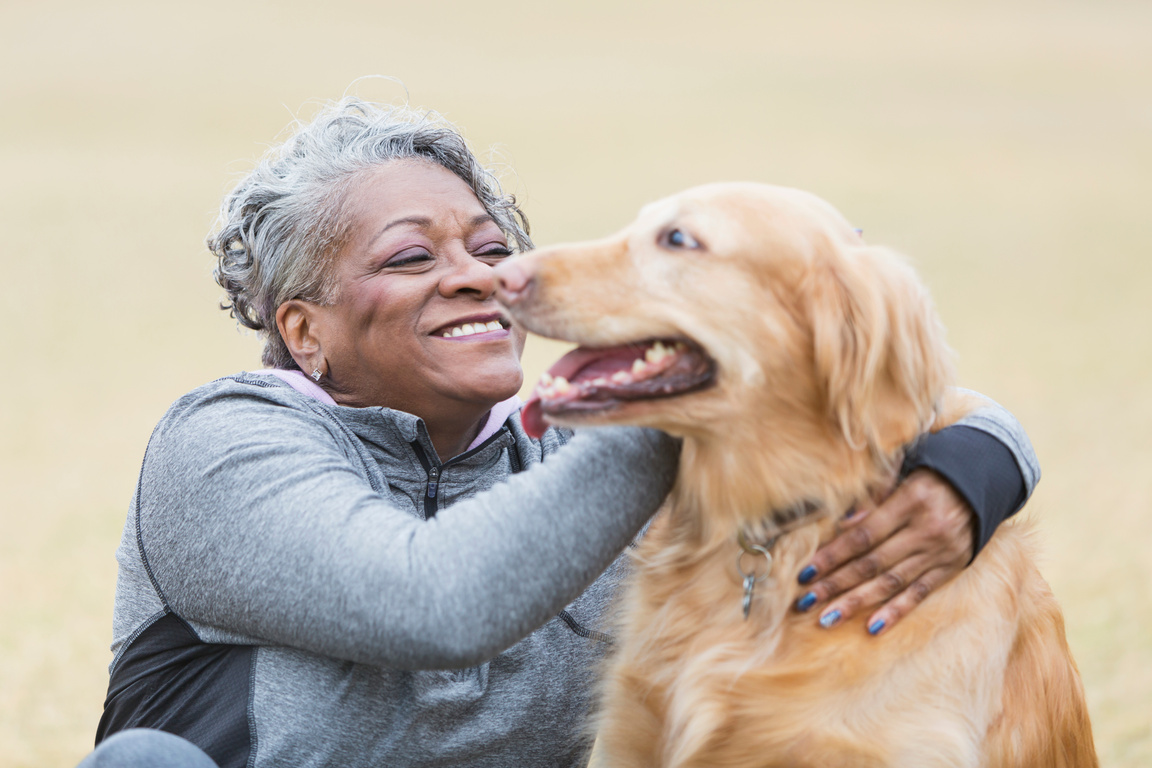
<point x="316" y="374"/>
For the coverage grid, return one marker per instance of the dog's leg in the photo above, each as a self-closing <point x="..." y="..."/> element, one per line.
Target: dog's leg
<point x="1044" y="720"/>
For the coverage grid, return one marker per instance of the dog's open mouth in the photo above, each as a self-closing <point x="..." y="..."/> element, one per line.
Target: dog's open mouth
<point x="587" y="380"/>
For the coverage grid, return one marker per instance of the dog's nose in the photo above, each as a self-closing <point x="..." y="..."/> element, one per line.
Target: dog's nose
<point x="513" y="281"/>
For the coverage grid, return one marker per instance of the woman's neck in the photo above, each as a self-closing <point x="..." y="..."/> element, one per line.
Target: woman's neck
<point x="452" y="437"/>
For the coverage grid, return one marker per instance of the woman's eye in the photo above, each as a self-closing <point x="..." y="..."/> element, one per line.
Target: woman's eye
<point x="679" y="239"/>
<point x="498" y="252"/>
<point x="408" y="259"/>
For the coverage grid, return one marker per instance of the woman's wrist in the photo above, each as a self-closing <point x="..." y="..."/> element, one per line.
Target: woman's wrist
<point x="981" y="469"/>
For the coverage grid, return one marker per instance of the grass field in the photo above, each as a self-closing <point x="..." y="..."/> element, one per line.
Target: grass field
<point x="1005" y="146"/>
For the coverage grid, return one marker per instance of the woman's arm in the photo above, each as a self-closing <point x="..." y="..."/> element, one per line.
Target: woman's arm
<point x="253" y="519"/>
<point x="960" y="484"/>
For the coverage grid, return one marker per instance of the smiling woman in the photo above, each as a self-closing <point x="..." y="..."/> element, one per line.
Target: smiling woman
<point x="358" y="556"/>
<point x="413" y="324"/>
<point x="316" y="568"/>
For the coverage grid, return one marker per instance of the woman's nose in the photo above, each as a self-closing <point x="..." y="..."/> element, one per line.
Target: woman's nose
<point x="469" y="275"/>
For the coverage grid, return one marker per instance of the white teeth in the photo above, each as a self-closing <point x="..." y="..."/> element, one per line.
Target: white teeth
<point x="621" y="377"/>
<point x="546" y="380"/>
<point x="638" y="366"/>
<point x="468" y="329"/>
<point x="561" y="385"/>
<point x="599" y="382"/>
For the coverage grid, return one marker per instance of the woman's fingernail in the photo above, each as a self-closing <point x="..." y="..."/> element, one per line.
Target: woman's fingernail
<point x="806" y="602"/>
<point x="829" y="618"/>
<point x="807" y="574"/>
<point x="875" y="627"/>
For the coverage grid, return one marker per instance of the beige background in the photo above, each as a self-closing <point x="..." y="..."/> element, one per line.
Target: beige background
<point x="1004" y="145"/>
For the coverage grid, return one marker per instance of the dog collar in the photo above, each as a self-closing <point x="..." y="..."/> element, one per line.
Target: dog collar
<point x="802" y="514"/>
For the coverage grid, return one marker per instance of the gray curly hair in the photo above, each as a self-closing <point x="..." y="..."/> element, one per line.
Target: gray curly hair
<point x="279" y="228"/>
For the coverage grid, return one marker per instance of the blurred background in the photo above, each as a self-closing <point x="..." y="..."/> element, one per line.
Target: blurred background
<point x="1005" y="146"/>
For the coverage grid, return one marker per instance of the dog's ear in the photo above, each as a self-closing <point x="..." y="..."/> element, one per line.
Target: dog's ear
<point x="879" y="348"/>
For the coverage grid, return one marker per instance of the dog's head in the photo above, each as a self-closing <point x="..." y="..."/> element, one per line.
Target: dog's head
<point x="731" y="312"/>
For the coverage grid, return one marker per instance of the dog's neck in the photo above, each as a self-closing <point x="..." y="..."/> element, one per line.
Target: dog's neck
<point x="730" y="499"/>
<point x="725" y="487"/>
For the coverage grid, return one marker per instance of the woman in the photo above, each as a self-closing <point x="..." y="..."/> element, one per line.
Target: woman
<point x="357" y="557"/>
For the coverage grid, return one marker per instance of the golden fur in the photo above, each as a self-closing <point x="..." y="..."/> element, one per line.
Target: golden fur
<point x="829" y="359"/>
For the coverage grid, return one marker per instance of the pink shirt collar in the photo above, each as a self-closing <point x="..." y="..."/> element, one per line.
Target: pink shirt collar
<point x="305" y="386"/>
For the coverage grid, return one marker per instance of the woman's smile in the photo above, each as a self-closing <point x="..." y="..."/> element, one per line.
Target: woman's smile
<point x="486" y="327"/>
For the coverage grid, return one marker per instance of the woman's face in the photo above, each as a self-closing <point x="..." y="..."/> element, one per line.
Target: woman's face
<point x="414" y="325"/>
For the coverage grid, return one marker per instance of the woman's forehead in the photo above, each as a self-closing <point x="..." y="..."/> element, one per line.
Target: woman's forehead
<point x="410" y="179"/>
<point x="412" y="189"/>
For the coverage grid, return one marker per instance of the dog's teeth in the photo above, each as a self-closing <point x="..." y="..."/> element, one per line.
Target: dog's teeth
<point x="656" y="353"/>
<point x="638" y="366"/>
<point x="621" y="377"/>
<point x="600" y="382"/>
<point x="561" y="384"/>
<point x="546" y="379"/>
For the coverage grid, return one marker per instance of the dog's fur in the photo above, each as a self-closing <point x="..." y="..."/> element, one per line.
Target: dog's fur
<point x="828" y="358"/>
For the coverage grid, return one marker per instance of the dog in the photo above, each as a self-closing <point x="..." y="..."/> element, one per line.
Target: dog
<point x="796" y="362"/>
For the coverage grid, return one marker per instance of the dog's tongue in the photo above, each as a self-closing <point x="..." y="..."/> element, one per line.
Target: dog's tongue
<point x="532" y="417"/>
<point x="583" y="361"/>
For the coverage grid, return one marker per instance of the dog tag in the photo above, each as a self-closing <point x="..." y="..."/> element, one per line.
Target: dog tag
<point x="750" y="577"/>
<point x="749" y="585"/>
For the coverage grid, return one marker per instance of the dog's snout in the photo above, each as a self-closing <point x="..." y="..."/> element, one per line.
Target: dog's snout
<point x="513" y="281"/>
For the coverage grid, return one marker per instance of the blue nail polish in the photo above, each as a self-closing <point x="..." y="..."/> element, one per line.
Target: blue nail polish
<point x="829" y="619"/>
<point x="876" y="626"/>
<point x="807" y="601"/>
<point x="807" y="574"/>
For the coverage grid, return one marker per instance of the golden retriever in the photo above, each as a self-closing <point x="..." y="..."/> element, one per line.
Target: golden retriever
<point x="796" y="362"/>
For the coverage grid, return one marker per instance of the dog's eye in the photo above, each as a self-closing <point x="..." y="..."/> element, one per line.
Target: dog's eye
<point x="679" y="239"/>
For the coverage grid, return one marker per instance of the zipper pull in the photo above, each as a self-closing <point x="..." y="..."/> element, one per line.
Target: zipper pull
<point x="433" y="482"/>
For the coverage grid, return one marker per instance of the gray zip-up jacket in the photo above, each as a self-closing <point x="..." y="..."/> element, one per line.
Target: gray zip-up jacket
<point x="306" y="585"/>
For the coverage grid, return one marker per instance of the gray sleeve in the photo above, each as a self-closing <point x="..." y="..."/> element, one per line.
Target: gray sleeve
<point x="252" y="519"/>
<point x="993" y="419"/>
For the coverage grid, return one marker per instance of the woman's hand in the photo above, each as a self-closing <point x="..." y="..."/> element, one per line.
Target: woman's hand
<point x="892" y="555"/>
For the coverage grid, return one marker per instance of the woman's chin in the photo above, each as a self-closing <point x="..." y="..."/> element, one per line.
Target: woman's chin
<point x="493" y="385"/>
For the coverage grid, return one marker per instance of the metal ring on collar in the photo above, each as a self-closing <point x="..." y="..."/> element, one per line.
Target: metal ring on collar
<point x="754" y="549"/>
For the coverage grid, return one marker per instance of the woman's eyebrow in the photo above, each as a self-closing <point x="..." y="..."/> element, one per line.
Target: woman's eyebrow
<point x="420" y="221"/>
<point x="425" y="222"/>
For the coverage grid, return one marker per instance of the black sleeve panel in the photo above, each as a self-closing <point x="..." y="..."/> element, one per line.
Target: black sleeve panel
<point x="169" y="680"/>
<point x="981" y="469"/>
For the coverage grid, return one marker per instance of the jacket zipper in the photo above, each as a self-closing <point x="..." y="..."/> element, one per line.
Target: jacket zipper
<point x="433" y="483"/>
<point x="435" y="470"/>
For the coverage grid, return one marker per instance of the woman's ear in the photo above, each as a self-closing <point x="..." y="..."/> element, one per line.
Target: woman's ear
<point x="298" y="323"/>
<point x="878" y="349"/>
